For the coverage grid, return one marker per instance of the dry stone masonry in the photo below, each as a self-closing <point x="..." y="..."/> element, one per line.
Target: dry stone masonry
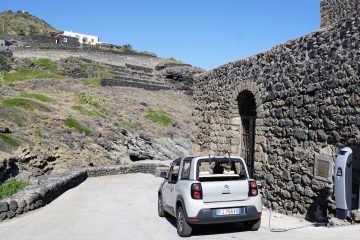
<point x="335" y="10"/>
<point x="304" y="95"/>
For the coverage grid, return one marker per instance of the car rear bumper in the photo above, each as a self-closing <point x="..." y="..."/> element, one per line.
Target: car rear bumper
<point x="208" y="216"/>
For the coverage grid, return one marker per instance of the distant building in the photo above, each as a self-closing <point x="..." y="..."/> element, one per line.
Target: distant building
<point x="23" y="12"/>
<point x="83" y="38"/>
<point x="4" y="44"/>
<point x="62" y="39"/>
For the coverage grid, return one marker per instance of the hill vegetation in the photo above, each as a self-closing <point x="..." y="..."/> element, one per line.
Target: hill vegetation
<point x="23" y="24"/>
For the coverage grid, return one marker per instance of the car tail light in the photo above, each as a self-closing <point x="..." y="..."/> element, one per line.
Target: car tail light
<point x="196" y="191"/>
<point x="253" y="190"/>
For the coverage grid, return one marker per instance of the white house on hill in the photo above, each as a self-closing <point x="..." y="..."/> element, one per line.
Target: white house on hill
<point x="83" y="38"/>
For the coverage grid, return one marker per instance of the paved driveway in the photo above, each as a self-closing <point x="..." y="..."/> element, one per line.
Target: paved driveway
<point x="125" y="207"/>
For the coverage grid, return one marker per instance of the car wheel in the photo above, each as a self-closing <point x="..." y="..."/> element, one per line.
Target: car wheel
<point x="253" y="225"/>
<point x="161" y="206"/>
<point x="183" y="228"/>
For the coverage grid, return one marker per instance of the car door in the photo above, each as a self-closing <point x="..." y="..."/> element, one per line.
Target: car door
<point x="169" y="187"/>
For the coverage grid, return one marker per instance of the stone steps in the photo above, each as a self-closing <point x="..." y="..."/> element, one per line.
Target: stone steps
<point x="139" y="68"/>
<point x="136" y="77"/>
<point x="132" y="76"/>
<point x="129" y="71"/>
<point x="137" y="80"/>
<point x="147" y="85"/>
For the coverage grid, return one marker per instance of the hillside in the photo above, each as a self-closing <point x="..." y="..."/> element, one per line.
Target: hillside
<point x="23" y="24"/>
<point x="67" y="108"/>
<point x="56" y="115"/>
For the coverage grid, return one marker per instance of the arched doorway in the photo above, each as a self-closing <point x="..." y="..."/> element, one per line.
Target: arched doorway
<point x="247" y="110"/>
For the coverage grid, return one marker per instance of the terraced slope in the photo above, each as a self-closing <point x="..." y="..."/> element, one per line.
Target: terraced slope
<point x="60" y="115"/>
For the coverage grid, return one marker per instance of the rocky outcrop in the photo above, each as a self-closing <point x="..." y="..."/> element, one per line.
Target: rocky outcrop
<point x="8" y="169"/>
<point x="181" y="76"/>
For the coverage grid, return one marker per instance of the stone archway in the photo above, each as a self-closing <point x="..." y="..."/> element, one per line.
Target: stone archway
<point x="243" y="118"/>
<point x="247" y="111"/>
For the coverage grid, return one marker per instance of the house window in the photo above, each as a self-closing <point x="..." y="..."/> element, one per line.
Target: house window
<point x="65" y="40"/>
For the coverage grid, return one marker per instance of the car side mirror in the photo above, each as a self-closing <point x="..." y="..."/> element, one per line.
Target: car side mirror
<point x="259" y="184"/>
<point x="163" y="175"/>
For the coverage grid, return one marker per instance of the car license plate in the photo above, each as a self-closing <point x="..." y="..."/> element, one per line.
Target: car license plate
<point x="230" y="211"/>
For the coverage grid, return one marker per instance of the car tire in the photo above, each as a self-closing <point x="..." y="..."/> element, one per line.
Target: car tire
<point x="183" y="228"/>
<point x="161" y="211"/>
<point x="253" y="225"/>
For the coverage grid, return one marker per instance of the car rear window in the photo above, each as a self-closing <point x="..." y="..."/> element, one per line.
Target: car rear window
<point x="220" y="169"/>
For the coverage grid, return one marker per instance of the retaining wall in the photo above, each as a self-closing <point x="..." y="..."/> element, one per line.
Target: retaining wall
<point x="307" y="105"/>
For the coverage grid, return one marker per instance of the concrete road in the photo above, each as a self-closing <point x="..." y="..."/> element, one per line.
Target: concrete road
<point x="125" y="207"/>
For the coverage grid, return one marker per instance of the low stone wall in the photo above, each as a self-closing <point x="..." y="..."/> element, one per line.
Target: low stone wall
<point x="47" y="42"/>
<point x="51" y="187"/>
<point x="134" y="84"/>
<point x="116" y="170"/>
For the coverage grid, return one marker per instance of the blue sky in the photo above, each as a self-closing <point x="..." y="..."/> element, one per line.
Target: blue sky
<point x="204" y="33"/>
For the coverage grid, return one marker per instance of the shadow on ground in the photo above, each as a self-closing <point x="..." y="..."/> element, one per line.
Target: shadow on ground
<point x="211" y="229"/>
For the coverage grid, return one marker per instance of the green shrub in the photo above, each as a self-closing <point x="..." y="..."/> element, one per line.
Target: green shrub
<point x="83" y="111"/>
<point x="93" y="71"/>
<point x="95" y="82"/>
<point x="175" y="60"/>
<point x="46" y="64"/>
<point x="38" y="133"/>
<point x="10" y="187"/>
<point x="148" y="53"/>
<point x="44" y="47"/>
<point x="8" y="143"/>
<point x="158" y="117"/>
<point x="24" y="103"/>
<point x="37" y="96"/>
<point x="84" y="98"/>
<point x="130" y="124"/>
<point x="4" y="60"/>
<point x="73" y="123"/>
<point x="27" y="74"/>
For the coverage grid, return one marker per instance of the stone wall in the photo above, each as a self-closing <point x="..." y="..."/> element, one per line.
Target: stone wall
<point x="44" y="42"/>
<point x="307" y="105"/>
<point x="335" y="10"/>
<point x="49" y="187"/>
<point x="72" y="44"/>
<point x="102" y="56"/>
